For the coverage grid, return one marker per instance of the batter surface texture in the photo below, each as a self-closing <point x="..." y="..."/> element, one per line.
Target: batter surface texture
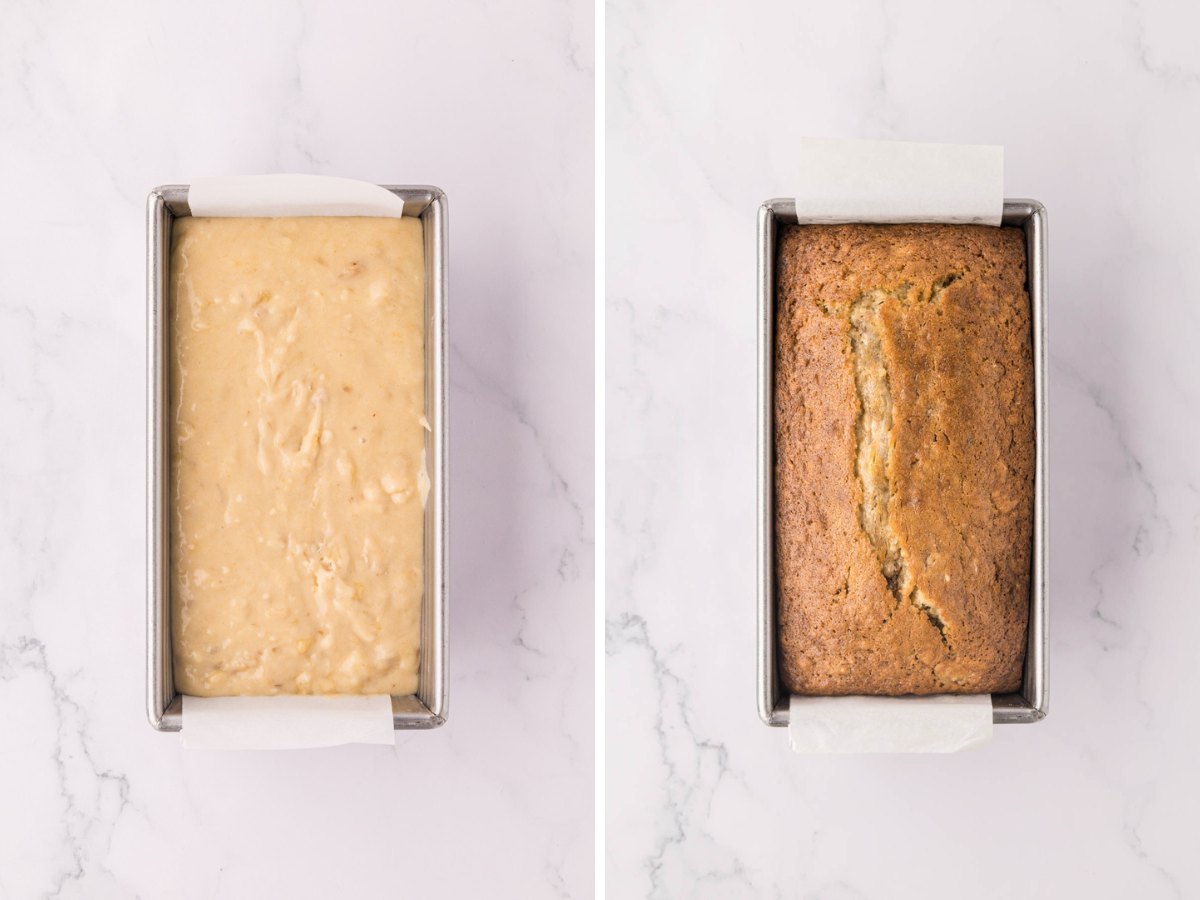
<point x="297" y="436"/>
<point x="904" y="458"/>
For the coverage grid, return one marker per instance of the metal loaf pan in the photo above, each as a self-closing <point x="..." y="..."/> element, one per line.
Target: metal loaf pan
<point x="428" y="707"/>
<point x="1030" y="705"/>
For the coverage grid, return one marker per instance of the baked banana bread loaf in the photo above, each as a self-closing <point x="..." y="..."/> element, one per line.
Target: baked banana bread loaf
<point x="903" y="458"/>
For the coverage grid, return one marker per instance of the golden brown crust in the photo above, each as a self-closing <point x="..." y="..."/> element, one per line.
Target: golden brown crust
<point x="903" y="378"/>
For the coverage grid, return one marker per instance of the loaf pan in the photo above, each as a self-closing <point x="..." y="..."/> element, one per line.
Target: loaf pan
<point x="1030" y="705"/>
<point x="428" y="707"/>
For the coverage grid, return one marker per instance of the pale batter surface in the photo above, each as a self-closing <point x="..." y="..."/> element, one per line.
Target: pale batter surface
<point x="298" y="479"/>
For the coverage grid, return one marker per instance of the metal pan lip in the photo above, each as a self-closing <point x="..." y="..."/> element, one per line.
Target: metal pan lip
<point x="1031" y="704"/>
<point x="429" y="707"/>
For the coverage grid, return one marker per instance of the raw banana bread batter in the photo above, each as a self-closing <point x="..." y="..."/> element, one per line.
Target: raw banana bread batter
<point x="297" y="463"/>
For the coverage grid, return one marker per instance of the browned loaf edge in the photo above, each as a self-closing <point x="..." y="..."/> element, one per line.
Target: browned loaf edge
<point x="903" y="458"/>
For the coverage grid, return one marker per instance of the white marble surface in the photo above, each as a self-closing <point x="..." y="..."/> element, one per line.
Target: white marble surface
<point x="1096" y="104"/>
<point x="99" y="103"/>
